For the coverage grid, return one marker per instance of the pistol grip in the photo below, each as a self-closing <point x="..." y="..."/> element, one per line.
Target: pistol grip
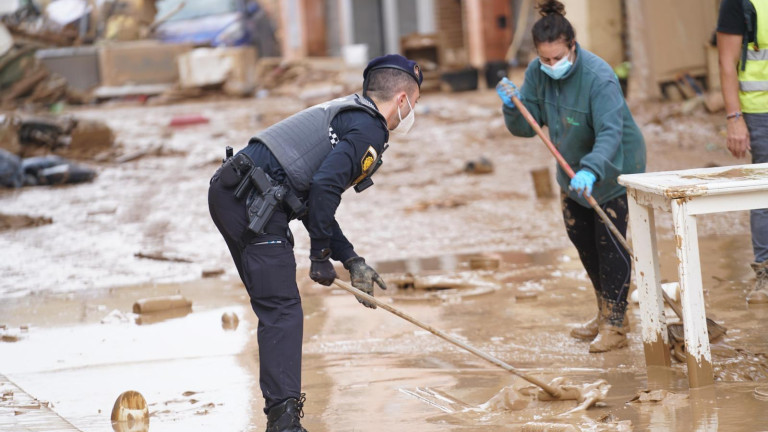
<point x="244" y="186"/>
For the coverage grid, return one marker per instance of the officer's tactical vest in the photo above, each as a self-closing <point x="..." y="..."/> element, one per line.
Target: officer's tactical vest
<point x="753" y="73"/>
<point x="301" y="142"/>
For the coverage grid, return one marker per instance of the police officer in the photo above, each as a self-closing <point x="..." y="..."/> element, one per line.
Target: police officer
<point x="315" y="155"/>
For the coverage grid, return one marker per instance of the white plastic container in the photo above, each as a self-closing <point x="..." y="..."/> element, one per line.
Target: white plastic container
<point x="355" y="55"/>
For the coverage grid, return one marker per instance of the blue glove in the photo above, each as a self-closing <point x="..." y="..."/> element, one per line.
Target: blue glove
<point x="506" y="89"/>
<point x="582" y="182"/>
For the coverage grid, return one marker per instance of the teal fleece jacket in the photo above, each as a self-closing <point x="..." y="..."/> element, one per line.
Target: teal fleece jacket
<point x="589" y="123"/>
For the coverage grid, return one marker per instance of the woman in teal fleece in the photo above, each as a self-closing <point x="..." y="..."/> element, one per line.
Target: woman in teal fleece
<point x="577" y="96"/>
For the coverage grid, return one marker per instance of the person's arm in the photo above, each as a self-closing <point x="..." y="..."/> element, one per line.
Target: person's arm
<point x="729" y="52"/>
<point x="514" y="120"/>
<point x="606" y="104"/>
<point x="328" y="183"/>
<point x="341" y="248"/>
<point x="337" y="172"/>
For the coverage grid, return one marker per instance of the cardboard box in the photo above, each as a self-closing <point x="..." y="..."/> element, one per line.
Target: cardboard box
<point x="232" y="66"/>
<point x="140" y="62"/>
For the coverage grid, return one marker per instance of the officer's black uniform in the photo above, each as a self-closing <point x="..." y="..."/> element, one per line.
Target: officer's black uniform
<point x="267" y="265"/>
<point x="318" y="170"/>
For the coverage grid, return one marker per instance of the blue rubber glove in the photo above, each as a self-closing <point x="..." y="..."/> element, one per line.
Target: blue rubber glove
<point x="582" y="182"/>
<point x="506" y="89"/>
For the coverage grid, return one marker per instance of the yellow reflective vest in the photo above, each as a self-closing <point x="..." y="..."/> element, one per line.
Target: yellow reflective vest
<point x="753" y="80"/>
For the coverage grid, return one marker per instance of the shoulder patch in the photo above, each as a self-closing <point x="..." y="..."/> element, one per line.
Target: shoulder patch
<point x="369" y="158"/>
<point x="367" y="162"/>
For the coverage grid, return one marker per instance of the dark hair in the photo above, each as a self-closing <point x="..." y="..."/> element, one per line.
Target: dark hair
<point x="384" y="83"/>
<point x="552" y="26"/>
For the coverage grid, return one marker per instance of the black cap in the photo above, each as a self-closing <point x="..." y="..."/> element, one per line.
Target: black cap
<point x="395" y="61"/>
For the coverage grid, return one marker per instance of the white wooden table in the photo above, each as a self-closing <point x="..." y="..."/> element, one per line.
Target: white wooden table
<point x="686" y="194"/>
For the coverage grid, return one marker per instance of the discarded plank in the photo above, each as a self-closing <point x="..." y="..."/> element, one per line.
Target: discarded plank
<point x="10" y="336"/>
<point x="211" y="273"/>
<point x="26" y="85"/>
<point x="484" y="262"/>
<point x="106" y="92"/>
<point x="132" y="156"/>
<point x="159" y="304"/>
<point x="159" y="256"/>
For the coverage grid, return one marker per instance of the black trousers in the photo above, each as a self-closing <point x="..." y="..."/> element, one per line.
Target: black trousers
<point x="267" y="267"/>
<point x="606" y="261"/>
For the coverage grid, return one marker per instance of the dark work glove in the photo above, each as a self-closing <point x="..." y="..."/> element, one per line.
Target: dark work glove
<point x="321" y="270"/>
<point x="363" y="276"/>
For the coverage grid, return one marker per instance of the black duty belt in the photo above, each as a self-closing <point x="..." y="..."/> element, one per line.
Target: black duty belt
<point x="265" y="196"/>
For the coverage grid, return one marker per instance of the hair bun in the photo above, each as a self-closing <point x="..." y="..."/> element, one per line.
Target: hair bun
<point x="551" y="7"/>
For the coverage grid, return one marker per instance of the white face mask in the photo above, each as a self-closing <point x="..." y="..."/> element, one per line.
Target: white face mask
<point x="406" y="123"/>
<point x="559" y="69"/>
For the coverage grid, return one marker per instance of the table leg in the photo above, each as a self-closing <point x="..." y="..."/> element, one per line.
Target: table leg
<point x="646" y="263"/>
<point x="699" y="358"/>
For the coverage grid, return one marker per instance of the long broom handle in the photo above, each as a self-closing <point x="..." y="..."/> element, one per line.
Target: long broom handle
<point x="552" y="391"/>
<point x="568" y="170"/>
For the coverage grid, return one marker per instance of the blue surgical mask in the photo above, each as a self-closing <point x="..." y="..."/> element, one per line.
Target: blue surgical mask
<point x="559" y="69"/>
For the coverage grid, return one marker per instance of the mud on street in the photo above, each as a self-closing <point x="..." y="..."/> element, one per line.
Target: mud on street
<point x="72" y="284"/>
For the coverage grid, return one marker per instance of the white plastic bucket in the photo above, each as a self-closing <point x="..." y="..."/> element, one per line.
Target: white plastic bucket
<point x="355" y="55"/>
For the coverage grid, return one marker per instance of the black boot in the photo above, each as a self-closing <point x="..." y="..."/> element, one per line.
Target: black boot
<point x="286" y="416"/>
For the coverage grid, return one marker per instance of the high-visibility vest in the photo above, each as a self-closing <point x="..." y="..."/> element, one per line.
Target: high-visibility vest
<point x="753" y="74"/>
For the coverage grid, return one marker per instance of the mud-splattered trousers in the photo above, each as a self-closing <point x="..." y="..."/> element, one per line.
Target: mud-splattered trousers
<point x="606" y="261"/>
<point x="758" y="139"/>
<point x="267" y="267"/>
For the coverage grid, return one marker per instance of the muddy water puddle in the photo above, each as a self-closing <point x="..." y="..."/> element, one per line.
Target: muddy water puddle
<point x="369" y="370"/>
<point x="82" y="350"/>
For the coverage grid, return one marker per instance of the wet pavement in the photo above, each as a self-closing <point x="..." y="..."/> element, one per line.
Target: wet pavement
<point x="158" y="203"/>
<point x="370" y="370"/>
<point x="73" y="282"/>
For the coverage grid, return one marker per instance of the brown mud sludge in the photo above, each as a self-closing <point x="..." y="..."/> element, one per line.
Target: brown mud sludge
<point x="657" y="352"/>
<point x="351" y="355"/>
<point x="700" y="373"/>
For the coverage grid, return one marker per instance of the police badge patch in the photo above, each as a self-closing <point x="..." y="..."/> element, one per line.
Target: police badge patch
<point x="368" y="159"/>
<point x="367" y="162"/>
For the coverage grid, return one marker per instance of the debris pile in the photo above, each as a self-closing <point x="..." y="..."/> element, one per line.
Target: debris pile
<point x="67" y="136"/>
<point x="312" y="80"/>
<point x="26" y="81"/>
<point x="34" y="150"/>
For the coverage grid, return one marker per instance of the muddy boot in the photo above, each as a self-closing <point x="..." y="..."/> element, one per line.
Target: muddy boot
<point x="759" y="293"/>
<point x="588" y="330"/>
<point x="286" y="417"/>
<point x="611" y="334"/>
